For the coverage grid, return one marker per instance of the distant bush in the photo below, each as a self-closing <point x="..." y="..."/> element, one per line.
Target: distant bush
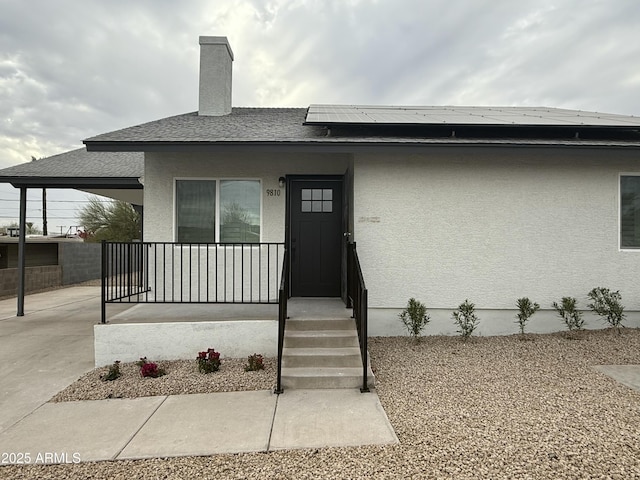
<point x="415" y="318"/>
<point x="569" y="313"/>
<point x="607" y="304"/>
<point x="466" y="319"/>
<point x="527" y="309"/>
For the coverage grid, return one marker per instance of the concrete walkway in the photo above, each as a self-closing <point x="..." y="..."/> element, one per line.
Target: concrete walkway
<point x="52" y="345"/>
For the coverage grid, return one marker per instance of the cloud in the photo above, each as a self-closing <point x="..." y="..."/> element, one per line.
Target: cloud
<point x="76" y="69"/>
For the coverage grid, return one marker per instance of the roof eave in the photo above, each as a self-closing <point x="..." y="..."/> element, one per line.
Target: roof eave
<point x="73" y="182"/>
<point x="326" y="145"/>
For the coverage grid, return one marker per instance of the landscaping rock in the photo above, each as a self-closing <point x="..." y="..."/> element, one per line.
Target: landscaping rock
<point x="494" y="407"/>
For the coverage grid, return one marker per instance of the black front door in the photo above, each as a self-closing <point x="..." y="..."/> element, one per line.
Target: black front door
<point x="316" y="236"/>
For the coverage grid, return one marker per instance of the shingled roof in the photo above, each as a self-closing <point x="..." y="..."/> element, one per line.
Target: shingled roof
<point x="78" y="169"/>
<point x="289" y="128"/>
<point x="242" y="125"/>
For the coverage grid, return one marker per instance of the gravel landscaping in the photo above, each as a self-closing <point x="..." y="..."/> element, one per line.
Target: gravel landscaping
<point x="495" y="407"/>
<point x="182" y="377"/>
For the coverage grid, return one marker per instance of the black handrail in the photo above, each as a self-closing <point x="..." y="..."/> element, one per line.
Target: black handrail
<point x="283" y="297"/>
<point x="358" y="299"/>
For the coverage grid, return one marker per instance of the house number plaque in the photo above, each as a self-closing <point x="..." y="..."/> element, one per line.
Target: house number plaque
<point x="273" y="192"/>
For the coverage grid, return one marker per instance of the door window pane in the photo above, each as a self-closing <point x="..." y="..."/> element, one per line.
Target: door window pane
<point x="317" y="200"/>
<point x="196" y="210"/>
<point x="240" y="211"/>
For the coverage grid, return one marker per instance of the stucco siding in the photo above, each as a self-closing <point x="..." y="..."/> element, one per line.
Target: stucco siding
<point x="162" y="169"/>
<point x="492" y="225"/>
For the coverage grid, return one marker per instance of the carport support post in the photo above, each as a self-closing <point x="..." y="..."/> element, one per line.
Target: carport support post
<point x="21" y="249"/>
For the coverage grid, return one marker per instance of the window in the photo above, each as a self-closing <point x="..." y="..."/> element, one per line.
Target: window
<point x="240" y="211"/>
<point x="196" y="210"/>
<point x="629" y="211"/>
<point x="227" y="211"/>
<point x="317" y="200"/>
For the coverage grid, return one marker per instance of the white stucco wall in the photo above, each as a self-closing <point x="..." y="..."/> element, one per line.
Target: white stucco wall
<point x="491" y="226"/>
<point x="183" y="340"/>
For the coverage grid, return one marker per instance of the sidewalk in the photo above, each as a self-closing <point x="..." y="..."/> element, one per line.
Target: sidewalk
<point x="52" y="345"/>
<point x="204" y="424"/>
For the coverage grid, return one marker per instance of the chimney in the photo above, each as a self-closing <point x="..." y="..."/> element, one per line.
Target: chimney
<point x="215" y="76"/>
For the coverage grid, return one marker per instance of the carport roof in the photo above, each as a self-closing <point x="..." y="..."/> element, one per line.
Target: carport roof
<point x="79" y="169"/>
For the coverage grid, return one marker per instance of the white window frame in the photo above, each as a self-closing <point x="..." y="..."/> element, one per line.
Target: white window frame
<point x="620" y="247"/>
<point x="217" y="212"/>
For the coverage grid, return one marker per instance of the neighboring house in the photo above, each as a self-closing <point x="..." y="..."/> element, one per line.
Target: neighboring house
<point x="445" y="203"/>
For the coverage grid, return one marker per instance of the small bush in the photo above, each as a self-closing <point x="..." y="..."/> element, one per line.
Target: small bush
<point x="414" y="318"/>
<point x="208" y="361"/>
<point x="255" y="362"/>
<point x="607" y="304"/>
<point x="150" y="369"/>
<point x="527" y="309"/>
<point x="114" y="372"/>
<point x="569" y="313"/>
<point x="466" y="319"/>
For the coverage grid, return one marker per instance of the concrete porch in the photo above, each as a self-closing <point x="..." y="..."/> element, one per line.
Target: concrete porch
<point x="299" y="308"/>
<point x="321" y="348"/>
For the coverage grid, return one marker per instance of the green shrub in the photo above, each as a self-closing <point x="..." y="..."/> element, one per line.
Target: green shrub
<point x="255" y="362"/>
<point x="414" y="318"/>
<point x="527" y="309"/>
<point x="569" y="313"/>
<point x="466" y="319"/>
<point x="607" y="304"/>
<point x="114" y="372"/>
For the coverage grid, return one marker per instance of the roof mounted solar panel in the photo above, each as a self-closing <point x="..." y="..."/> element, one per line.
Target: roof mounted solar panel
<point x="328" y="115"/>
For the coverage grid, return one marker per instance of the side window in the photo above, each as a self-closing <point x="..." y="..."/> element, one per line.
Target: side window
<point x="629" y="211"/>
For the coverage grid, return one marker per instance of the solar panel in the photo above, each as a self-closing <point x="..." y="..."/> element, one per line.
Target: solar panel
<point x="465" y="115"/>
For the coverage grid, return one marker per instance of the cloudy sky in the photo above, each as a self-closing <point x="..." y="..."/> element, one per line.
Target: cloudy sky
<point x="70" y="69"/>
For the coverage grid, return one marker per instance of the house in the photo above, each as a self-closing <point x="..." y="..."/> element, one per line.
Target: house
<point x="444" y="203"/>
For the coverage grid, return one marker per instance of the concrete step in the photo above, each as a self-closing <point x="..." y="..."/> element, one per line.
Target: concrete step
<point x="321" y="357"/>
<point x="320" y="324"/>
<point x="320" y="338"/>
<point x="326" y="377"/>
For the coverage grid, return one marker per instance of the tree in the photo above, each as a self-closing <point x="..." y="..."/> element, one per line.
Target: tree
<point x="115" y="221"/>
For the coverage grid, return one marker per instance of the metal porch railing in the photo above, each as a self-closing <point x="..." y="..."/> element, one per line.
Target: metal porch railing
<point x="358" y="300"/>
<point x="163" y="272"/>
<point x="283" y="297"/>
